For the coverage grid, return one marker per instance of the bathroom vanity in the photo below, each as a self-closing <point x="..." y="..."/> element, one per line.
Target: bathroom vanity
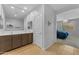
<point x="16" y="31"/>
<point x="12" y="41"/>
<point x="13" y="32"/>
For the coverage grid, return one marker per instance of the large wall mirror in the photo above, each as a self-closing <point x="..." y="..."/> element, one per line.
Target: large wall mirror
<point x="14" y="24"/>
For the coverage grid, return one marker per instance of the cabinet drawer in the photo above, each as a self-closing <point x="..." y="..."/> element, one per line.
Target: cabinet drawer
<point x="5" y="43"/>
<point x="24" y="39"/>
<point x="30" y="39"/>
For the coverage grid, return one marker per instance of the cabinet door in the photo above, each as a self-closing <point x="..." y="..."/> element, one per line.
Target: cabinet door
<point x="5" y="43"/>
<point x="16" y="41"/>
<point x="30" y="35"/>
<point x="24" y="39"/>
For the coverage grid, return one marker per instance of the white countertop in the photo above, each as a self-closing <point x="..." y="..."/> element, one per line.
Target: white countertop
<point x="14" y="32"/>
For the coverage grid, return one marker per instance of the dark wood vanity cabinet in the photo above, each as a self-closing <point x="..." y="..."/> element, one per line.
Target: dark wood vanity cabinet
<point x="24" y="39"/>
<point x="9" y="42"/>
<point x="27" y="38"/>
<point x="16" y="41"/>
<point x="30" y="37"/>
<point x="5" y="43"/>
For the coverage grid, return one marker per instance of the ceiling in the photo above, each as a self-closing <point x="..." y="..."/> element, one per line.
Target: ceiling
<point x="17" y="11"/>
<point x="59" y="8"/>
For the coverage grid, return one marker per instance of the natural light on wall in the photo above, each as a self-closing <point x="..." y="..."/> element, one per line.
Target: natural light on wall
<point x="68" y="25"/>
<point x="65" y="21"/>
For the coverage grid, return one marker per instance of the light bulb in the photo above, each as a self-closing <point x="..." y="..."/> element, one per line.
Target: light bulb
<point x="65" y="20"/>
<point x="23" y="11"/>
<point x="25" y="8"/>
<point x="12" y="7"/>
<point x="15" y="15"/>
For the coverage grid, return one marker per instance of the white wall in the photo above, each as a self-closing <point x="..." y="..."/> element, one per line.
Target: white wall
<point x="29" y="18"/>
<point x="44" y="35"/>
<point x="0" y="9"/>
<point x="38" y="26"/>
<point x="71" y="14"/>
<point x="49" y="31"/>
<point x="3" y="16"/>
